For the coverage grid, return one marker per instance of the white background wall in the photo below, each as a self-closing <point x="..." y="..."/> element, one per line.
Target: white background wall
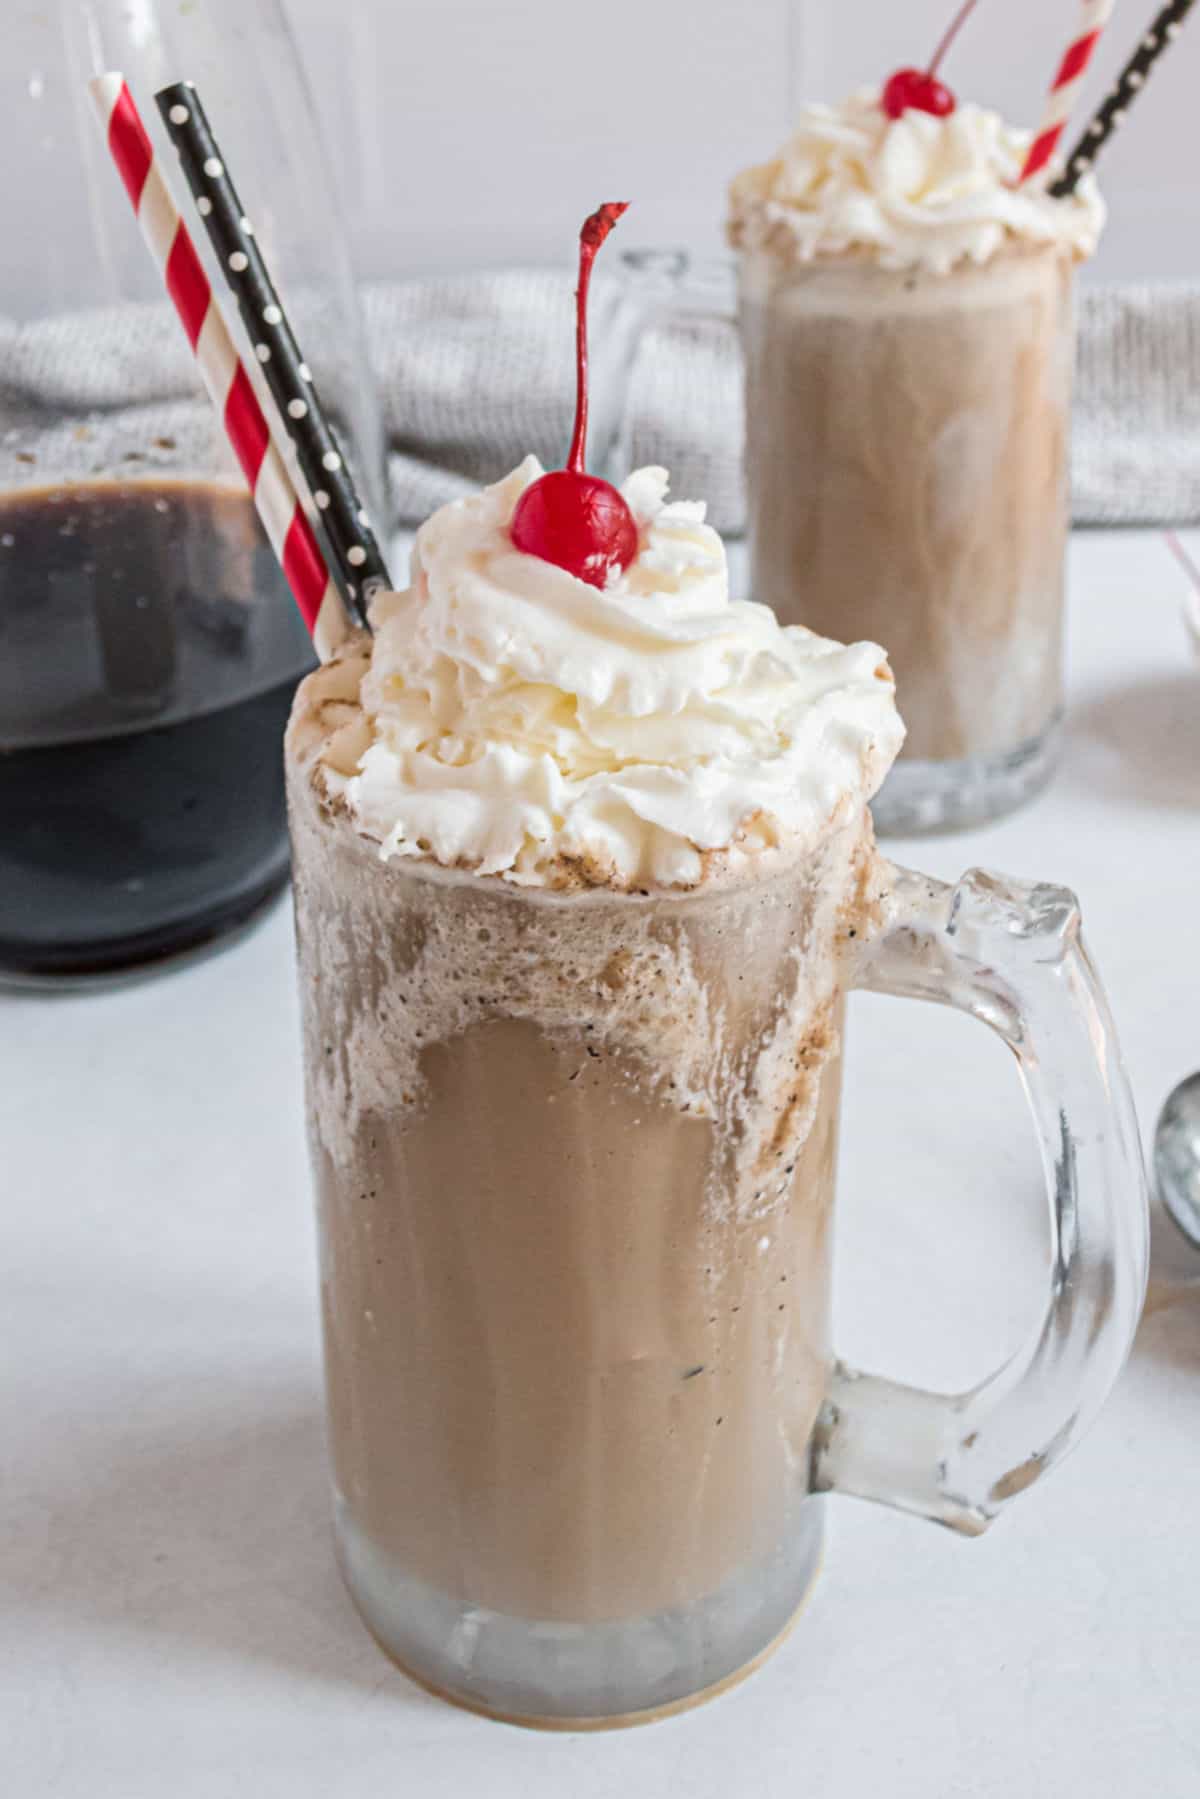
<point x="480" y="130"/>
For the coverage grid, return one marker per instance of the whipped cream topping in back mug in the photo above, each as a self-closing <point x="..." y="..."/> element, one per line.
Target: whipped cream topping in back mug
<point x="917" y="191"/>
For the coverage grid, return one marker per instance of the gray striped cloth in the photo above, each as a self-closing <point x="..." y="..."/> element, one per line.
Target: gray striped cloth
<point x="473" y="371"/>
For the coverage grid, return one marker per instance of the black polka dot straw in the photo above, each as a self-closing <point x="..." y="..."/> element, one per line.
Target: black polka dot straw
<point x="355" y="553"/>
<point x="1129" y="83"/>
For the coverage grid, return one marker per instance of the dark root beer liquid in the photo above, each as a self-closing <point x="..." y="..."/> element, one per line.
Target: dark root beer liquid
<point x="148" y="654"/>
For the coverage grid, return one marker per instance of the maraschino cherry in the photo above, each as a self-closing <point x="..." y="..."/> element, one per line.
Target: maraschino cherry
<point x="571" y="518"/>
<point x="919" y="90"/>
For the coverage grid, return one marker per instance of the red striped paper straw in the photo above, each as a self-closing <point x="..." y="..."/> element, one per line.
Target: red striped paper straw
<point x="1065" y="89"/>
<point x="221" y="369"/>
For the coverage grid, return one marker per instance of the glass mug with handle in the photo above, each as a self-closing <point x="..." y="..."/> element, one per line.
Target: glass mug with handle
<point x="574" y="1155"/>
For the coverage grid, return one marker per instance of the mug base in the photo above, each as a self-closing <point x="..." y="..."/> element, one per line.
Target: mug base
<point x="575" y="1677"/>
<point x="920" y="798"/>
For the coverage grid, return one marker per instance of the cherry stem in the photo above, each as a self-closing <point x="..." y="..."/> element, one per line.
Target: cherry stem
<point x="593" y="234"/>
<point x="955" y="26"/>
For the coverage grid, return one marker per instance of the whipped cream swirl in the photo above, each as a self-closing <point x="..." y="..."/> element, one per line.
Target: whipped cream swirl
<point x="515" y="721"/>
<point x="916" y="191"/>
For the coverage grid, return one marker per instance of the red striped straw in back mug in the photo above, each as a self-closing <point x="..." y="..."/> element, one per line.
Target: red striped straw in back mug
<point x="1064" y="90"/>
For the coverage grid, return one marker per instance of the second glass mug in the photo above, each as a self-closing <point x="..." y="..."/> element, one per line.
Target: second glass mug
<point x="583" y="1404"/>
<point x="906" y="442"/>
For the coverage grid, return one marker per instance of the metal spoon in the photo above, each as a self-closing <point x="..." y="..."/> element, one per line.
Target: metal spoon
<point x="1177" y="1156"/>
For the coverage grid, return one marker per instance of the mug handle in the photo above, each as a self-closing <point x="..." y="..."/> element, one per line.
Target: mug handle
<point x="1012" y="956"/>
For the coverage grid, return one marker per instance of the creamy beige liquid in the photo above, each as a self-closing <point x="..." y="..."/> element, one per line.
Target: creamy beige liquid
<point x="907" y="465"/>
<point x="575" y="1163"/>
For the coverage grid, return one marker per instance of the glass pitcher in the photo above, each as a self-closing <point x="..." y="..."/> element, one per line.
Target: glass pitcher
<point x="148" y="644"/>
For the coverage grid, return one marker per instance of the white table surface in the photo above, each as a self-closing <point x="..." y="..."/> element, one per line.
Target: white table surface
<point x="170" y="1620"/>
